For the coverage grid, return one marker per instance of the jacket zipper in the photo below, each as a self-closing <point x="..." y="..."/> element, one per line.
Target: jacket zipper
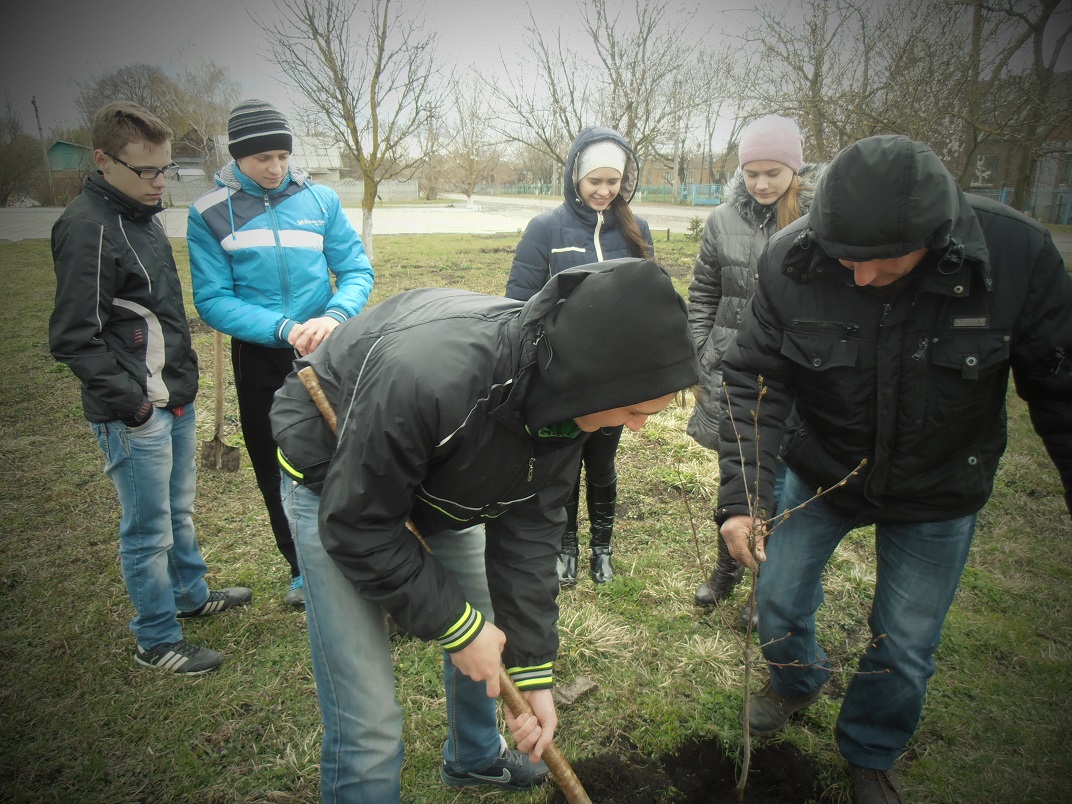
<point x="845" y="327"/>
<point x="284" y="282"/>
<point x="599" y="225"/>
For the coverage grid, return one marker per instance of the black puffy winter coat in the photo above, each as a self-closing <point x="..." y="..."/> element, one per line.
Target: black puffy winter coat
<point x="724" y="279"/>
<point x="914" y="383"/>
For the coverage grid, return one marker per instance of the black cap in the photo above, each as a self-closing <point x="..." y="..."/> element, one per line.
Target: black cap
<point x="883" y="197"/>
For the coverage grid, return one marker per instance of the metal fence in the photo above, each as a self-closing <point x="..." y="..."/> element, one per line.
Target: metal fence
<point x="1046" y="204"/>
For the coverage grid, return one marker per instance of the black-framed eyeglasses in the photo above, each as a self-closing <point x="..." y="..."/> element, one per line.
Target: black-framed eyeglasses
<point x="148" y="173"/>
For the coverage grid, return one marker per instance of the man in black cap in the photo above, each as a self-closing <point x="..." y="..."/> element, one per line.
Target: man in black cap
<point x="891" y="316"/>
<point x="467" y="415"/>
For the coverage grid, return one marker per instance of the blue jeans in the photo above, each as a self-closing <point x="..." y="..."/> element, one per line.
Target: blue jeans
<point x="154" y="472"/>
<point x="918" y="568"/>
<point x="361" y="754"/>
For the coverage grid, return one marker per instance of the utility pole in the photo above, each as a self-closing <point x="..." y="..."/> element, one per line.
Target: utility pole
<point x="44" y="151"/>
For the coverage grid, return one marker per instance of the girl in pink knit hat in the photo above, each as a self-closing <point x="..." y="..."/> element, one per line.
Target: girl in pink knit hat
<point x="772" y="188"/>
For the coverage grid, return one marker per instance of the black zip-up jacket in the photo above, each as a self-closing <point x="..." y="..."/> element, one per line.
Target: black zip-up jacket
<point x="429" y="386"/>
<point x="914" y="383"/>
<point x="119" y="320"/>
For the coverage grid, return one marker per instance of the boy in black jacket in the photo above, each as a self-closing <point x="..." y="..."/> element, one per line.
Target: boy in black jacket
<point x="120" y="325"/>
<point x="466" y="414"/>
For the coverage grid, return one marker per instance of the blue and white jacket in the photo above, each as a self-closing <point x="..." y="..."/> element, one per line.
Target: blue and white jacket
<point x="261" y="260"/>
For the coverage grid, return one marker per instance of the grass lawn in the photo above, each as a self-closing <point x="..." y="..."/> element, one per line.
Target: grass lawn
<point x="82" y="723"/>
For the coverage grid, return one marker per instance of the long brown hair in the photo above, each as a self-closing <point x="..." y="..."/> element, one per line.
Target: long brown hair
<point x="789" y="204"/>
<point x="638" y="246"/>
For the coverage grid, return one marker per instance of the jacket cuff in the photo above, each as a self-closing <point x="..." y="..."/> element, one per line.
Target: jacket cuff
<point x="463" y="631"/>
<point x="337" y="314"/>
<point x="283" y="331"/>
<point x="538" y="677"/>
<point x="725" y="512"/>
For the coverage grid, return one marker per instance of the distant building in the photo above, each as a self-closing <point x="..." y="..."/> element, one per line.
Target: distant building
<point x="70" y="157"/>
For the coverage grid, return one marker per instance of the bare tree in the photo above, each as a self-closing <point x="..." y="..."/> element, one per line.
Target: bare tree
<point x="432" y="175"/>
<point x="202" y="97"/>
<point x="474" y="154"/>
<point x="373" y="82"/>
<point x="626" y="74"/>
<point x="20" y="154"/>
<point x="145" y="84"/>
<point x="1046" y="107"/>
<point x="950" y="73"/>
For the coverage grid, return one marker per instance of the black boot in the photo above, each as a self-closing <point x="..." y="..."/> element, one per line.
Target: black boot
<point x="727" y="574"/>
<point x="567" y="559"/>
<point x="601" y="501"/>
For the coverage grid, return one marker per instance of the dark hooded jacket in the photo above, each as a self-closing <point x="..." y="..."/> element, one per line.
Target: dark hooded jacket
<point x="724" y="279"/>
<point x="911" y="379"/>
<point x="574" y="234"/>
<point x="444" y="418"/>
<point x="119" y="321"/>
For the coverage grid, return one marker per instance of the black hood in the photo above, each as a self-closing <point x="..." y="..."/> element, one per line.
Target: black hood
<point x="883" y="197"/>
<point x="607" y="335"/>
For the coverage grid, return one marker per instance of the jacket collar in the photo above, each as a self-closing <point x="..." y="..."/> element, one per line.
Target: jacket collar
<point x="98" y="186"/>
<point x="963" y="256"/>
<point x="231" y="177"/>
<point x="737" y="196"/>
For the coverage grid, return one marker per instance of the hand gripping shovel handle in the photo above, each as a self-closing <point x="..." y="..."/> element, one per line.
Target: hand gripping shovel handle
<point x="567" y="780"/>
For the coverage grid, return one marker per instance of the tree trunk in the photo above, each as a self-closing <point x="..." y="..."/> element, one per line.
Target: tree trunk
<point x="368" y="203"/>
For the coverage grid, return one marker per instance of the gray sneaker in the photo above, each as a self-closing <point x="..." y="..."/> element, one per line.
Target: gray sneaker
<point x="768" y="711"/>
<point x="873" y="786"/>
<point x="180" y="658"/>
<point x="296" y="595"/>
<point x="511" y="771"/>
<point x="220" y="600"/>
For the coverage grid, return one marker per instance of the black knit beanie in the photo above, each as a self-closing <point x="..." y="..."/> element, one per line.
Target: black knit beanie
<point x="620" y="338"/>
<point x="256" y="126"/>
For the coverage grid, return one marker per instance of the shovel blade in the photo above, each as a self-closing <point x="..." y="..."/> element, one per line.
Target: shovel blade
<point x="217" y="455"/>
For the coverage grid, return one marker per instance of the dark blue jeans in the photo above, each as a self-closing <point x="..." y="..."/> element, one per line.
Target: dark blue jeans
<point x="919" y="567"/>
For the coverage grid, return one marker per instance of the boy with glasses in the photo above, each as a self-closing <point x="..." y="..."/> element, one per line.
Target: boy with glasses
<point x="120" y="325"/>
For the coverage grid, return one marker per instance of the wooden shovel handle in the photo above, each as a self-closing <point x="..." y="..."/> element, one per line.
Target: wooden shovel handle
<point x="567" y="780"/>
<point x="312" y="384"/>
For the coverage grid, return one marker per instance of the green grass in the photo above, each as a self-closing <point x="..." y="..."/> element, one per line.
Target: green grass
<point x="82" y="723"/>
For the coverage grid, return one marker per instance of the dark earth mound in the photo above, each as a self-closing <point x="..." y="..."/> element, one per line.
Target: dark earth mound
<point x="700" y="773"/>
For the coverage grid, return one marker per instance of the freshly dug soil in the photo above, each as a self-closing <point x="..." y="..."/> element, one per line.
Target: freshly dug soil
<point x="700" y="773"/>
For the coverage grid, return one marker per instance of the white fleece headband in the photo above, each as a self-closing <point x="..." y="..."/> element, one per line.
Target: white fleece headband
<point x="603" y="154"/>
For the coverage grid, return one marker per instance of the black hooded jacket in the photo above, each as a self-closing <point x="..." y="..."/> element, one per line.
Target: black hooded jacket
<point x="913" y="383"/>
<point x="444" y="418"/>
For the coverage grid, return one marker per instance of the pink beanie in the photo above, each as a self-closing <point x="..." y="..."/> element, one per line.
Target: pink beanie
<point x="772" y="137"/>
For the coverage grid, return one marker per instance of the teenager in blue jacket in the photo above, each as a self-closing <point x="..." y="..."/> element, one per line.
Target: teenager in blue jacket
<point x="264" y="247"/>
<point x="592" y="225"/>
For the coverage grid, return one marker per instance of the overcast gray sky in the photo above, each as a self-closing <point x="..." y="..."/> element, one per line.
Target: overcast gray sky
<point x="46" y="46"/>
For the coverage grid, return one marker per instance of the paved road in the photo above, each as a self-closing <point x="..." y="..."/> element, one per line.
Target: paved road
<point x="488" y="215"/>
